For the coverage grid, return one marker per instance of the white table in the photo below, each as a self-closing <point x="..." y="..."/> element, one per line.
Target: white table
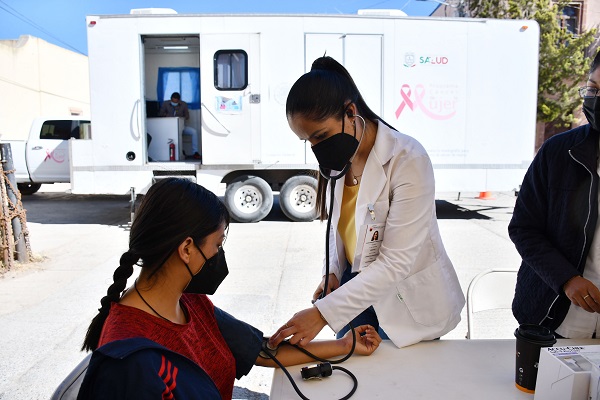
<point x="448" y="369"/>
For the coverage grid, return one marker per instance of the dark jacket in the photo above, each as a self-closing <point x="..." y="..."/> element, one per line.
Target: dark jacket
<point x="553" y="224"/>
<point x="142" y="369"/>
<point x="139" y="368"/>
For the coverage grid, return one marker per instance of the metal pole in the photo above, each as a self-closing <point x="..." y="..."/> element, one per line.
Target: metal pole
<point x="21" y="249"/>
<point x="132" y="206"/>
<point x="461" y="8"/>
<point x="6" y="235"/>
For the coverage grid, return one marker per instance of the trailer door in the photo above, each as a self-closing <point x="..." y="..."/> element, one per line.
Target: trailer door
<point x="351" y="50"/>
<point x="230" y="98"/>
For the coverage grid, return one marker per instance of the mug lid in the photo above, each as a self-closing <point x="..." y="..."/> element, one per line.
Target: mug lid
<point x="535" y="332"/>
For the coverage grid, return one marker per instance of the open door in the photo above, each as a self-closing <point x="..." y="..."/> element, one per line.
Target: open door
<point x="171" y="63"/>
<point x="230" y="98"/>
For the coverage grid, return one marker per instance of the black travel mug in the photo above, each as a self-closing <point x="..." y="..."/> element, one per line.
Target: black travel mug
<point x="530" y="340"/>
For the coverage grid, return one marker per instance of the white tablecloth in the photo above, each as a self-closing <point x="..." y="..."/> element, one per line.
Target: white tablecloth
<point x="440" y="369"/>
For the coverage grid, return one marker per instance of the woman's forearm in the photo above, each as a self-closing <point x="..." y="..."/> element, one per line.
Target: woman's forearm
<point x="288" y="355"/>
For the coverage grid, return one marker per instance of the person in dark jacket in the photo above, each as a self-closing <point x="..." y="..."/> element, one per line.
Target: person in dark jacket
<point x="191" y="349"/>
<point x="555" y="228"/>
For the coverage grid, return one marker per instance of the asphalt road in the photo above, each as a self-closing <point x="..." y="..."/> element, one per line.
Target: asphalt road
<point x="46" y="306"/>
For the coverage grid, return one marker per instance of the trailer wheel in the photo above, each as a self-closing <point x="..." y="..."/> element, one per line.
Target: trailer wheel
<point x="28" y="188"/>
<point x="249" y="199"/>
<point x="298" y="198"/>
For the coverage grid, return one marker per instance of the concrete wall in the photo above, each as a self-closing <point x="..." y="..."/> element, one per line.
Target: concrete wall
<point x="591" y="14"/>
<point x="39" y="79"/>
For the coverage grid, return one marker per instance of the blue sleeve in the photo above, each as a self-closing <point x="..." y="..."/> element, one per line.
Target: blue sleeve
<point x="244" y="341"/>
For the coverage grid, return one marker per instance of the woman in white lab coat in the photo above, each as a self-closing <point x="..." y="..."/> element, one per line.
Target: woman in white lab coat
<point x="402" y="281"/>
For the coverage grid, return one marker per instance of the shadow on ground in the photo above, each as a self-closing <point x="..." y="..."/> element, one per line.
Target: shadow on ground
<point x="65" y="208"/>
<point x="444" y="209"/>
<point x="447" y="210"/>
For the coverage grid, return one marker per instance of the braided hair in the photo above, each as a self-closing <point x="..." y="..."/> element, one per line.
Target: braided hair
<point x="172" y="210"/>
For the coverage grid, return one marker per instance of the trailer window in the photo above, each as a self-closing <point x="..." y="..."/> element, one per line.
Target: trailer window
<point x="231" y="69"/>
<point x="65" y="130"/>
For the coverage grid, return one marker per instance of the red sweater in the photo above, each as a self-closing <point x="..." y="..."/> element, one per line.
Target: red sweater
<point x="199" y="340"/>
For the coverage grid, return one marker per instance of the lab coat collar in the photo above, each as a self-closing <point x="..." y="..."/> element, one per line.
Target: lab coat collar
<point x="375" y="178"/>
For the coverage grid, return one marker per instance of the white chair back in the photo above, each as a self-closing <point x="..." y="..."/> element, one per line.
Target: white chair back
<point x="489" y="290"/>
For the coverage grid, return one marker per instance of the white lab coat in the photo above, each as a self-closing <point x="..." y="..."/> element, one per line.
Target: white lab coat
<point x="412" y="284"/>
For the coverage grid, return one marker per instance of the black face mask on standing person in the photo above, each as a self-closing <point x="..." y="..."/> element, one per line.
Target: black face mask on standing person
<point x="213" y="272"/>
<point x="335" y="152"/>
<point x="591" y="109"/>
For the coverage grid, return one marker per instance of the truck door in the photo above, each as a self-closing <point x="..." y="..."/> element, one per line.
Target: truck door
<point x="230" y="98"/>
<point x="47" y="152"/>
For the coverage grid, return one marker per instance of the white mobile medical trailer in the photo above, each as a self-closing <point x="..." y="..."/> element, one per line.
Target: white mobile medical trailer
<point x="465" y="88"/>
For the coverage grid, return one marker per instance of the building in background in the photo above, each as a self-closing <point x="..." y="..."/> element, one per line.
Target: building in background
<point x="581" y="15"/>
<point x="39" y="79"/>
<point x="577" y="15"/>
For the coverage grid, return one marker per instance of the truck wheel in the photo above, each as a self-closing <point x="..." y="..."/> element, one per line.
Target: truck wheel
<point x="28" y="188"/>
<point x="249" y="199"/>
<point x="298" y="198"/>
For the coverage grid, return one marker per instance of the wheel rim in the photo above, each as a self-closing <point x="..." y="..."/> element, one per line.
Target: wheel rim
<point x="302" y="199"/>
<point x="248" y="199"/>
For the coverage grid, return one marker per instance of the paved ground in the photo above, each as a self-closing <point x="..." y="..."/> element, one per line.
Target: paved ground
<point x="46" y="306"/>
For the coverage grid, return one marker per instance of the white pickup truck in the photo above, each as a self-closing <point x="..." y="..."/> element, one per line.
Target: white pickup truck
<point x="44" y="156"/>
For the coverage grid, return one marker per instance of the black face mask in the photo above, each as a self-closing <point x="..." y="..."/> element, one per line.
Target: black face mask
<point x="335" y="152"/>
<point x="591" y="109"/>
<point x="211" y="275"/>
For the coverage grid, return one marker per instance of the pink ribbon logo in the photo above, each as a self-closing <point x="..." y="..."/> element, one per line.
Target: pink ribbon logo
<point x="406" y="94"/>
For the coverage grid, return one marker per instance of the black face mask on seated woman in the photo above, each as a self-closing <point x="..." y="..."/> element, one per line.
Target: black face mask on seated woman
<point x="208" y="279"/>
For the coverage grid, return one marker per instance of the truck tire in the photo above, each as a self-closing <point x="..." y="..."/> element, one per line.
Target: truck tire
<point x="28" y="188"/>
<point x="298" y="198"/>
<point x="249" y="199"/>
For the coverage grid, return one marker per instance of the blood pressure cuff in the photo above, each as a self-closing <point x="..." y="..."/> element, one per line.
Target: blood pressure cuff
<point x="244" y="341"/>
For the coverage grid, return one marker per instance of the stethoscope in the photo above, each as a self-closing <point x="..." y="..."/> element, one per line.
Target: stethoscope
<point x="333" y="179"/>
<point x="325" y="368"/>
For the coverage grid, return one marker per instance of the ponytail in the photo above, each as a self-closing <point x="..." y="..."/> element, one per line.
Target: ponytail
<point x="324" y="92"/>
<point x="113" y="294"/>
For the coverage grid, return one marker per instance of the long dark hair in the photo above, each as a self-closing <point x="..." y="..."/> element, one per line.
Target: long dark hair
<point x="322" y="93"/>
<point x="172" y="210"/>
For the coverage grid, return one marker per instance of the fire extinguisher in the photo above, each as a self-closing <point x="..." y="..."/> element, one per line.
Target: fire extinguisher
<point x="171" y="150"/>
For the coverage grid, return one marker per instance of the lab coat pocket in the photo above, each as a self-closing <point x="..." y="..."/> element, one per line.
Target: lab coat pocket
<point x="425" y="296"/>
<point x="379" y="213"/>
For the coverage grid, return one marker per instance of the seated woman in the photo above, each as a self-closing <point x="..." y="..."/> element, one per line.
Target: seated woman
<point x="163" y="336"/>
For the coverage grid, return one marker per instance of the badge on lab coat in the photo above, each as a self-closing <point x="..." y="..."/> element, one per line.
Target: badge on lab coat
<point x="370" y="238"/>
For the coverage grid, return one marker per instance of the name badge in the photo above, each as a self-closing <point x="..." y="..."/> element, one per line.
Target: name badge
<point x="370" y="237"/>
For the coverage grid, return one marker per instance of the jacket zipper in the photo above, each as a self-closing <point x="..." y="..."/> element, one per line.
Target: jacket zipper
<point x="584" y="227"/>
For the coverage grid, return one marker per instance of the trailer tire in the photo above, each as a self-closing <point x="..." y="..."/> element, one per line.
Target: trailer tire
<point x="298" y="198"/>
<point x="28" y="188"/>
<point x="249" y="199"/>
